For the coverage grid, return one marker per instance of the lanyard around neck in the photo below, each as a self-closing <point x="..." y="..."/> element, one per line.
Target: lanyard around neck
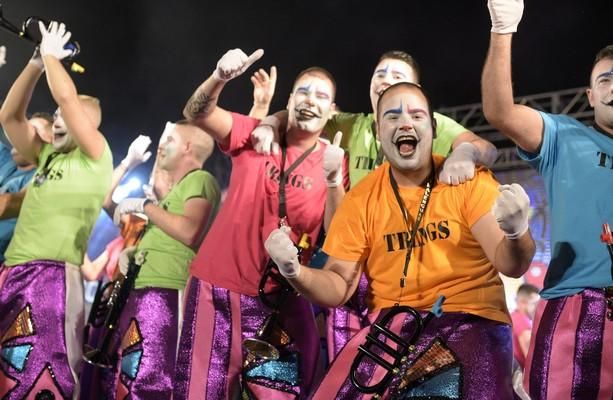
<point x="405" y="216"/>
<point x="284" y="175"/>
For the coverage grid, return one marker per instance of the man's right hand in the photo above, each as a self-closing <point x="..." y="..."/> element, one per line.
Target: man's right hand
<point x="283" y="252"/>
<point x="505" y="15"/>
<point x="234" y="63"/>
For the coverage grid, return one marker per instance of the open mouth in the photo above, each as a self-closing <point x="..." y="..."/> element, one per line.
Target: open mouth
<point x="306" y="114"/>
<point x="406" y="144"/>
<point x="58" y="135"/>
<point x="608" y="103"/>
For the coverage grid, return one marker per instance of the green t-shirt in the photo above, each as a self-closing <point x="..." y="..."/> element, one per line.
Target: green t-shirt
<point x="58" y="214"/>
<point x="360" y="142"/>
<point x="167" y="259"/>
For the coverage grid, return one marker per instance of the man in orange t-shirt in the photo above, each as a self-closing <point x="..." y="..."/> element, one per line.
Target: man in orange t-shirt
<point x="463" y="237"/>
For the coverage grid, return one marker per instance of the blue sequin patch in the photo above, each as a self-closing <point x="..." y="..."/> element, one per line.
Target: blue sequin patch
<point x="282" y="370"/>
<point x="130" y="363"/>
<point x="16" y="356"/>
<point x="446" y="384"/>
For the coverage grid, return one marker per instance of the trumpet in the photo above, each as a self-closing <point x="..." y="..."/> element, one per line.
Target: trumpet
<point x="30" y="32"/>
<point x="110" y="300"/>
<point x="271" y="335"/>
<point x="398" y="354"/>
<point x="105" y="313"/>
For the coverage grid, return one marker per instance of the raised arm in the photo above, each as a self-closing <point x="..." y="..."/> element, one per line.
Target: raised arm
<point x="328" y="287"/>
<point x="82" y="120"/>
<point x="13" y="112"/>
<point x="263" y="91"/>
<point x="504" y="234"/>
<point x="201" y="108"/>
<point x="522" y="124"/>
<point x="333" y="173"/>
<point x="137" y="154"/>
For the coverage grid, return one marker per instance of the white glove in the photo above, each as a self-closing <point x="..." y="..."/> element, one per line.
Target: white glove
<point x="265" y="136"/>
<point x="129" y="206"/>
<point x="234" y="63"/>
<point x="511" y="210"/>
<point x="333" y="161"/>
<point x="505" y="15"/>
<point x="2" y="55"/>
<point x="459" y="167"/>
<point x="125" y="257"/>
<point x="137" y="152"/>
<point x="264" y="86"/>
<point x="283" y="252"/>
<point x="168" y="128"/>
<point x="54" y="38"/>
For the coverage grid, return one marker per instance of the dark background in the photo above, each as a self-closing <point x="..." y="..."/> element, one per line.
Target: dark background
<point x="143" y="59"/>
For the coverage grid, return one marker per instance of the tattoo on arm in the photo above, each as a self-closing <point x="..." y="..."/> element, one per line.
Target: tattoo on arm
<point x="200" y="104"/>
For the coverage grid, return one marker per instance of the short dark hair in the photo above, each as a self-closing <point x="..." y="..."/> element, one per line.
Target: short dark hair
<point x="604" y="53"/>
<point x="318" y="71"/>
<point x="404" y="57"/>
<point x="44" y="115"/>
<point x="410" y="86"/>
<point x="526" y="289"/>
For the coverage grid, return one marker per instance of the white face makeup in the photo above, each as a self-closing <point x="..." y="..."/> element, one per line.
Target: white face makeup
<point x="170" y="150"/>
<point x="600" y="93"/>
<point x="310" y="104"/>
<point x="62" y="141"/>
<point x="405" y="129"/>
<point x="388" y="72"/>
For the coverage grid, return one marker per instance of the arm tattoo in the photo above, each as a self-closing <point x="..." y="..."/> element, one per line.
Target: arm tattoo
<point x="200" y="105"/>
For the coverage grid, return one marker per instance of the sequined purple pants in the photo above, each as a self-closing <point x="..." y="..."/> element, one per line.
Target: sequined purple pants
<point x="41" y="314"/>
<point x="478" y="353"/>
<point x="211" y="358"/>
<point x="571" y="351"/>
<point x="145" y="344"/>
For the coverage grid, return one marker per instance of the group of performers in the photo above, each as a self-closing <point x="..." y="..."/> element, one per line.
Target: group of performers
<point x="215" y="301"/>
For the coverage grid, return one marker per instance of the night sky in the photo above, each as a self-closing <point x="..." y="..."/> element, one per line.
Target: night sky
<point x="143" y="59"/>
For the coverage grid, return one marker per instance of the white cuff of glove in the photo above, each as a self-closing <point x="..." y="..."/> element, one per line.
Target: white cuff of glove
<point x="337" y="181"/>
<point x="519" y="233"/>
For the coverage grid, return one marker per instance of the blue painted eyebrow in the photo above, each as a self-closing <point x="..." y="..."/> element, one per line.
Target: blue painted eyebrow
<point x="387" y="67"/>
<point x="608" y="74"/>
<point x="393" y="110"/>
<point x="306" y="88"/>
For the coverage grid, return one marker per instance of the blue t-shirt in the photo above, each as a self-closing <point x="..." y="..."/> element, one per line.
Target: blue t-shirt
<point x="576" y="163"/>
<point x="12" y="184"/>
<point x="7" y="165"/>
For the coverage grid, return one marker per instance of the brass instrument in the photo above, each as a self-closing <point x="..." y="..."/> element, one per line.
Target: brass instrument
<point x="398" y="354"/>
<point x="30" y="32"/>
<point x="271" y="335"/>
<point x="110" y="300"/>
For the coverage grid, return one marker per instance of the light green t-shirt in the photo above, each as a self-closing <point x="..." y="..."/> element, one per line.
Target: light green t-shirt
<point x="360" y="142"/>
<point x="167" y="259"/>
<point x="58" y="214"/>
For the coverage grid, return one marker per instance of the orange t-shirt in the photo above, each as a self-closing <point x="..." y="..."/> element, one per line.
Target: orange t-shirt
<point x="446" y="260"/>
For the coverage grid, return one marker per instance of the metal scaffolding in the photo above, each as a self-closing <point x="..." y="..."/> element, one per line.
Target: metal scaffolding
<point x="572" y="102"/>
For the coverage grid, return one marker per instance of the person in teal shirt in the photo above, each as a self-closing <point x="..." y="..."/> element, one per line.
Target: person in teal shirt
<point x="42" y="289"/>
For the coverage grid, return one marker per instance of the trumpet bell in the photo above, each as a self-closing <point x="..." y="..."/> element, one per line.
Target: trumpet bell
<point x="97" y="357"/>
<point x="267" y="340"/>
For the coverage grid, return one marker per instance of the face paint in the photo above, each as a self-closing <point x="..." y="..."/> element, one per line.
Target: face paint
<point x="170" y="150"/>
<point x="600" y="93"/>
<point x="405" y="129"/>
<point x="62" y="141"/>
<point x="310" y="104"/>
<point x="388" y="72"/>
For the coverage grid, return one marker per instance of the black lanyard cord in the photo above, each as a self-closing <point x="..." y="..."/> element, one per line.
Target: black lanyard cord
<point x="405" y="216"/>
<point x="284" y="175"/>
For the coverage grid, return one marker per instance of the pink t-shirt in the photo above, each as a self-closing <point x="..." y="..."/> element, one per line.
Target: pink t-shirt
<point x="521" y="323"/>
<point x="232" y="254"/>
